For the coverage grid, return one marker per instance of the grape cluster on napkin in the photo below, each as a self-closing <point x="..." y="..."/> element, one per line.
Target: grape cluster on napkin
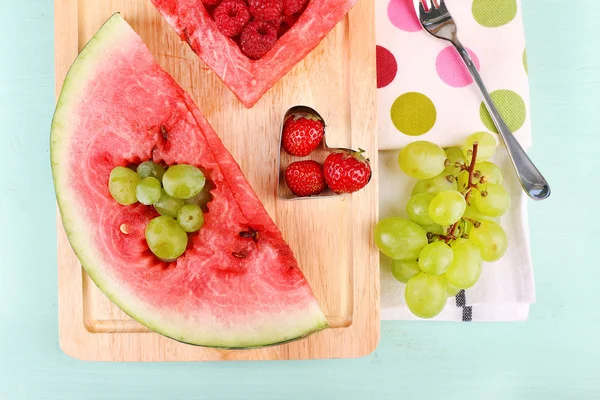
<point x="425" y="93"/>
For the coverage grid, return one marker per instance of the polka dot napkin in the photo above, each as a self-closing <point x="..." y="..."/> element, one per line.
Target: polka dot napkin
<point x="425" y="93"/>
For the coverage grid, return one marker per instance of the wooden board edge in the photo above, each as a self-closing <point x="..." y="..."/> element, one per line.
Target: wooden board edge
<point x="66" y="48"/>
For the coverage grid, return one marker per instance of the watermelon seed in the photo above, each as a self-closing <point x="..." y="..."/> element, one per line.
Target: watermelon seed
<point x="164" y="133"/>
<point x="238" y="255"/>
<point x="250" y="234"/>
<point x="124" y="228"/>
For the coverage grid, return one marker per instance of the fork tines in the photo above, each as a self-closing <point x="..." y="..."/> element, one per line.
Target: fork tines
<point x="429" y="5"/>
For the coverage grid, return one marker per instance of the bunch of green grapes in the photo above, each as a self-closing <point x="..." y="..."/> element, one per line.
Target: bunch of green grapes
<point x="452" y="224"/>
<point x="177" y="195"/>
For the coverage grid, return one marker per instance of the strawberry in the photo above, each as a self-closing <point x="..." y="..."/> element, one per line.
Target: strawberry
<point x="302" y="134"/>
<point x="305" y="178"/>
<point x="347" y="171"/>
<point x="258" y="37"/>
<point x="231" y="16"/>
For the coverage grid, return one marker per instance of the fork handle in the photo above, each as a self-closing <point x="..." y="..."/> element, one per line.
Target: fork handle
<point x="529" y="176"/>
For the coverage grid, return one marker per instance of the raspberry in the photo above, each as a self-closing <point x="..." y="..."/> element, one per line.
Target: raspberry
<point x="211" y="2"/>
<point x="232" y="16"/>
<point x="266" y="10"/>
<point x="293" y="6"/>
<point x="258" y="37"/>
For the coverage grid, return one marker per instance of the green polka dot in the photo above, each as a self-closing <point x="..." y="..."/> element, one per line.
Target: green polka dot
<point x="494" y="13"/>
<point x="525" y="61"/>
<point x="413" y="114"/>
<point x="510" y="105"/>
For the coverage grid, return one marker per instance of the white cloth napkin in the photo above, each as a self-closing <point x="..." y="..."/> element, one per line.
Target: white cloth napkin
<point x="424" y="91"/>
<point x="423" y="60"/>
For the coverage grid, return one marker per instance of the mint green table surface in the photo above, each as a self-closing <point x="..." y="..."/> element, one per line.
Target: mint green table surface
<point x="555" y="355"/>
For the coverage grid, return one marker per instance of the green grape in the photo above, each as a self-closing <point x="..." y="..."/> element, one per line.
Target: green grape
<point x="447" y="207"/>
<point x="495" y="203"/>
<point x="452" y="290"/>
<point x="492" y="173"/>
<point x="165" y="238"/>
<point x="426" y="294"/>
<point x="404" y="270"/>
<point x="491" y="240"/>
<point x="473" y="214"/>
<point x="399" y="238"/>
<point x="434" y="185"/>
<point x="462" y="181"/>
<point x="422" y="160"/>
<point x="454" y="155"/>
<point x="467" y="228"/>
<point x="435" y="258"/>
<point x="417" y="209"/>
<point x="190" y="218"/>
<point x="486" y="145"/>
<point x="183" y="181"/>
<point x="148" y="191"/>
<point x="150" y="169"/>
<point x="465" y="268"/>
<point x="204" y="197"/>
<point x="434" y="228"/>
<point x="121" y="185"/>
<point x="168" y="205"/>
<point x="476" y="215"/>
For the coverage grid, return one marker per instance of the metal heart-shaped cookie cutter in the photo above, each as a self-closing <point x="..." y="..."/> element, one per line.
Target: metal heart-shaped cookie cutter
<point x="319" y="155"/>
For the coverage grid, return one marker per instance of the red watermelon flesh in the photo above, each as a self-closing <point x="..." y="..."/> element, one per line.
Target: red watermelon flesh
<point x="250" y="79"/>
<point x="118" y="107"/>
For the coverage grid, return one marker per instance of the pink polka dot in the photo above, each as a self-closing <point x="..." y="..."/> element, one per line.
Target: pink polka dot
<point x="387" y="67"/>
<point x="402" y="14"/>
<point x="451" y="68"/>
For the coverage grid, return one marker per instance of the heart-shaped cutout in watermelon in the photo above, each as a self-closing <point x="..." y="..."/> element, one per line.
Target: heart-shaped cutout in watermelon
<point x="249" y="79"/>
<point x="238" y="284"/>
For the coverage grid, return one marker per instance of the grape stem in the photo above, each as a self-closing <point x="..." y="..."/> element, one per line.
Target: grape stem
<point x="475" y="223"/>
<point x="450" y="236"/>
<point x="470" y="186"/>
<point x="471" y="170"/>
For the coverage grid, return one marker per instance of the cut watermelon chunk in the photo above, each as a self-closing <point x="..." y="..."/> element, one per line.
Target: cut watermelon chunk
<point x="250" y="79"/>
<point x="115" y="107"/>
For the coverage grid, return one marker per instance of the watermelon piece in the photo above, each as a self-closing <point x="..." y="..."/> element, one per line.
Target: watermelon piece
<point x="250" y="79"/>
<point x="230" y="289"/>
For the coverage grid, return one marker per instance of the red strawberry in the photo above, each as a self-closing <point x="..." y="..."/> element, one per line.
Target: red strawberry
<point x="302" y="134"/>
<point x="347" y="171"/>
<point x="305" y="178"/>
<point x="232" y="16"/>
<point x="293" y="6"/>
<point x="266" y="10"/>
<point x="258" y="37"/>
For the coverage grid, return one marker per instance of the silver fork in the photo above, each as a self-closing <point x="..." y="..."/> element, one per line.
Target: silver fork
<point x="436" y="20"/>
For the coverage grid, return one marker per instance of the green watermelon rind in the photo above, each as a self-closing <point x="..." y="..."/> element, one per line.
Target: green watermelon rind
<point x="112" y="33"/>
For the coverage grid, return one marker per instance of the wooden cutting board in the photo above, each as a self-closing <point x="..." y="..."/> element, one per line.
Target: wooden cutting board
<point x="331" y="237"/>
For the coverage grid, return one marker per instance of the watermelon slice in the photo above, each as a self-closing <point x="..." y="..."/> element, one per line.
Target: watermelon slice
<point x="250" y="79"/>
<point x="229" y="289"/>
